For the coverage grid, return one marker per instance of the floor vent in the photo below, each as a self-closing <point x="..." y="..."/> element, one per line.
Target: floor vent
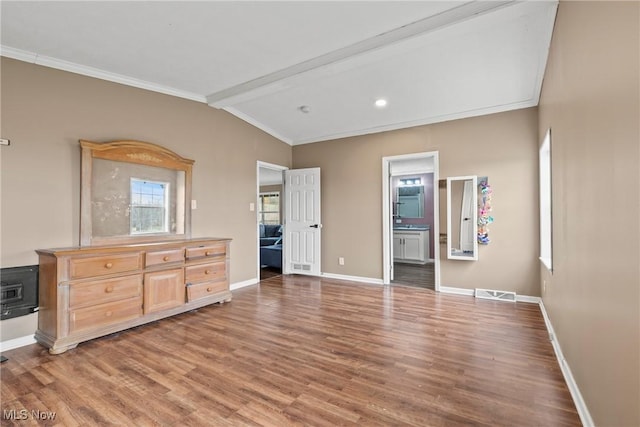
<point x="495" y="295"/>
<point x="303" y="267"/>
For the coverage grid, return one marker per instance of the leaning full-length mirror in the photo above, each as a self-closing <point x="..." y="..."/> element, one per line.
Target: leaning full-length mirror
<point x="462" y="218"/>
<point x="133" y="191"/>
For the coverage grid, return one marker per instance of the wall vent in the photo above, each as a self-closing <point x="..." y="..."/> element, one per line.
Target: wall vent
<point x="303" y="267"/>
<point x="495" y="295"/>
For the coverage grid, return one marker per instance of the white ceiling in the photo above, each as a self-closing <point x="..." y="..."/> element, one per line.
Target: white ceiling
<point x="262" y="61"/>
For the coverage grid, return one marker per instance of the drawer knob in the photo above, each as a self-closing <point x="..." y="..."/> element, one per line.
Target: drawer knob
<point x="166" y="258"/>
<point x="207" y="272"/>
<point x="108" y="314"/>
<point x="109" y="289"/>
<point x="108" y="265"/>
<point x="207" y="253"/>
<point x="209" y="289"/>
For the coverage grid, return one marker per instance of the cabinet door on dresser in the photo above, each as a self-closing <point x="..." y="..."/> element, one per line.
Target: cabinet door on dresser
<point x="163" y="290"/>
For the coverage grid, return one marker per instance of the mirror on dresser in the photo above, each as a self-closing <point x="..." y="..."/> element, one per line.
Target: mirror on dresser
<point x="133" y="191"/>
<point x="137" y="262"/>
<point x="462" y="218"/>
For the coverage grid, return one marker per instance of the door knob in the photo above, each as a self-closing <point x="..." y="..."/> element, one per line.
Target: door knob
<point x="314" y="226"/>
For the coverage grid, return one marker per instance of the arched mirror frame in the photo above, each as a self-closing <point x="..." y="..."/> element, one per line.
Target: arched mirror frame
<point x="130" y="152"/>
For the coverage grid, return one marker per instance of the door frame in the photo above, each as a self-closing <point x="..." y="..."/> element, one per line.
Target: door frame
<point x="260" y="164"/>
<point x="387" y="226"/>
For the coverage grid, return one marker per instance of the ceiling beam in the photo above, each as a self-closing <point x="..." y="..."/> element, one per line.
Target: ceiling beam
<point x="278" y="80"/>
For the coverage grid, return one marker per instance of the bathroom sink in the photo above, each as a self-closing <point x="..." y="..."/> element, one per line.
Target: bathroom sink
<point x="411" y="227"/>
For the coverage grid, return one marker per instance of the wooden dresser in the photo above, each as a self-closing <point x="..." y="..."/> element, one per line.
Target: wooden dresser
<point x="88" y="292"/>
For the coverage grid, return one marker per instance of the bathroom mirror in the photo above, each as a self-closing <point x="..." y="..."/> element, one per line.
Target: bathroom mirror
<point x="462" y="218"/>
<point x="132" y="192"/>
<point x="410" y="201"/>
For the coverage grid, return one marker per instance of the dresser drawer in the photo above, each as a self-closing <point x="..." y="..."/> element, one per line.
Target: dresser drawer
<point x="164" y="257"/>
<point x="206" y="289"/>
<point x="105" y="264"/>
<point x="213" y="250"/>
<point x="205" y="272"/>
<point x="99" y="292"/>
<point x="101" y="315"/>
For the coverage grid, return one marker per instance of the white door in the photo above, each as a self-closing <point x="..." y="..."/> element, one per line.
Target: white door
<point x="466" y="218"/>
<point x="302" y="221"/>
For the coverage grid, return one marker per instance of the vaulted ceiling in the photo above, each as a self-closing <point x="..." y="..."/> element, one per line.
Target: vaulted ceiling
<point x="302" y="71"/>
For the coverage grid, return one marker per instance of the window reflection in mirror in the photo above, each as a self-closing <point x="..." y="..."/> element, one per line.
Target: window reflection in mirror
<point x="129" y="198"/>
<point x="149" y="211"/>
<point x="133" y="191"/>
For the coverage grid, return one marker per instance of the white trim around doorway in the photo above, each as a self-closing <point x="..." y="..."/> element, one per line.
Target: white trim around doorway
<point x="265" y="165"/>
<point x="387" y="229"/>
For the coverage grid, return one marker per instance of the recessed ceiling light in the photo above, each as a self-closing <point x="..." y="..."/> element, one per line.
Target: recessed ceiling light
<point x="380" y="103"/>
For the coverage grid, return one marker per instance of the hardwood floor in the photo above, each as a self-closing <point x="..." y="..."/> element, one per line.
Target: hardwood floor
<point x="305" y="351"/>
<point x="416" y="275"/>
<point x="268" y="272"/>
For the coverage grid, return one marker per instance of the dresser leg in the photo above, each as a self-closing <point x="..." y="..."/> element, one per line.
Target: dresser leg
<point x="60" y="350"/>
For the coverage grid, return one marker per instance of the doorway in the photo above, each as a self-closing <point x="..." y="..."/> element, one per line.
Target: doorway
<point x="270" y="219"/>
<point x="411" y="250"/>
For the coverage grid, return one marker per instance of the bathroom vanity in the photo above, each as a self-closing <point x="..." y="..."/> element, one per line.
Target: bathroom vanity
<point x="411" y="244"/>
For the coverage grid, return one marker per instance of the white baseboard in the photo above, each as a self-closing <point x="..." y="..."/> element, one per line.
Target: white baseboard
<point x="470" y="292"/>
<point x="243" y="284"/>
<point x="581" y="406"/>
<point x="527" y="298"/>
<point x="456" y="291"/>
<point x="369" y="280"/>
<point x="17" y="342"/>
<point x="583" y="411"/>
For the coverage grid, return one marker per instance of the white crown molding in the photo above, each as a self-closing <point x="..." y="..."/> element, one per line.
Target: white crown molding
<point x="72" y="67"/>
<point x="542" y="65"/>
<point x="422" y="122"/>
<point x="393" y="126"/>
<point x="258" y="124"/>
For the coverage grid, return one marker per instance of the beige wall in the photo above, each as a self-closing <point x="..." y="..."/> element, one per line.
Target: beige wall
<point x="45" y="112"/>
<point x="590" y="102"/>
<point x="502" y="146"/>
